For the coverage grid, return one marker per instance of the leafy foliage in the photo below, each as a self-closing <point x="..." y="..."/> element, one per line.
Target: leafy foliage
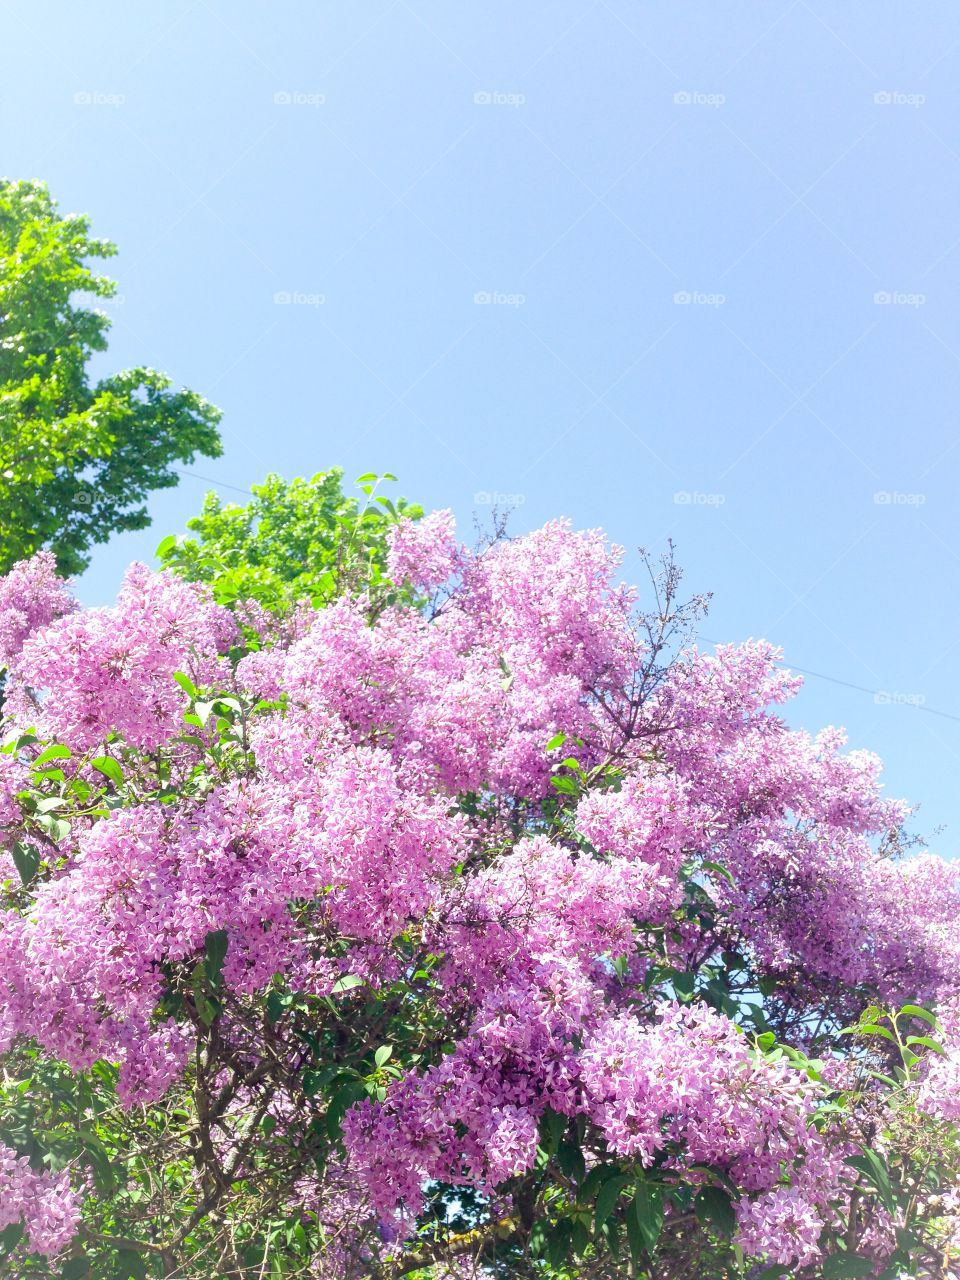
<point x="77" y="458"/>
<point x="297" y="540"/>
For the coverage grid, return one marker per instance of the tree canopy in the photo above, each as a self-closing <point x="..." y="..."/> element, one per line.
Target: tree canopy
<point x="479" y="924"/>
<point x="77" y="458"/>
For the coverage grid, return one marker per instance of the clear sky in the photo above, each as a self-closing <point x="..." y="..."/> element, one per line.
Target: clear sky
<point x="386" y="164"/>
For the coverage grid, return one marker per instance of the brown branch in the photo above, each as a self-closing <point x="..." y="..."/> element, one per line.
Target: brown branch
<point x="504" y="1231"/>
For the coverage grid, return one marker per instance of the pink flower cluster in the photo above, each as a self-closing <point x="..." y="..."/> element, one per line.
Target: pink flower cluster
<point x="110" y="670"/>
<point x="938" y="1093"/>
<point x="424" y="552"/>
<point x="690" y="1077"/>
<point x="398" y="784"/>
<point x="31" y="597"/>
<point x="43" y="1202"/>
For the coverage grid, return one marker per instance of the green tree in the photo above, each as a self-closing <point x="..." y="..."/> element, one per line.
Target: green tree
<point x="297" y="540"/>
<point x="77" y="459"/>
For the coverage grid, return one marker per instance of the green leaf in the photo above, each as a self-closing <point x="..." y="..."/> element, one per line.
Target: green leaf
<point x="648" y="1213"/>
<point x="915" y="1011"/>
<point x="10" y="1237"/>
<point x="204" y="1006"/>
<point x="56" y="828"/>
<point x="570" y="1159"/>
<point x="634" y="1237"/>
<point x="185" y="683"/>
<point x="553" y="1125"/>
<point x="312" y="1082"/>
<point x="718" y="1176"/>
<point x="591" y="1184"/>
<point x="215" y="953"/>
<point x="565" y="785"/>
<point x="277" y="1005"/>
<point x="928" y="1043"/>
<point x="842" y="1265"/>
<point x="558" y="1242"/>
<point x="341" y="1103"/>
<point x="130" y="1265"/>
<point x="166" y="546"/>
<point x="607" y="1198"/>
<point x="556" y="741"/>
<point x="683" y="984"/>
<point x="346" y="983"/>
<point x="720" y="870"/>
<point x="109" y="768"/>
<point x="56" y="752"/>
<point x="27" y="861"/>
<point x="714" y="1209"/>
<point x="878" y="1075"/>
<point x="383" y="1054"/>
<point x="100" y="1159"/>
<point x="874" y="1029"/>
<point x="74" y="1269"/>
<point x="874" y="1169"/>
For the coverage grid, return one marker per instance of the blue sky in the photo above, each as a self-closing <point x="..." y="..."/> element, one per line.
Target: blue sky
<point x="719" y="246"/>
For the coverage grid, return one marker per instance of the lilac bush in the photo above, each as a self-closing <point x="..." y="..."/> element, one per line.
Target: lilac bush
<point x="489" y="924"/>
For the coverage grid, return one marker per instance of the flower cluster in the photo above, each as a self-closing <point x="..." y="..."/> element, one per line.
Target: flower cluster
<point x="43" y="1202"/>
<point x="572" y="895"/>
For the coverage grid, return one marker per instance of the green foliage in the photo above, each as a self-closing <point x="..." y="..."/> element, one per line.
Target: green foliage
<point x="76" y="459"/>
<point x="297" y="540"/>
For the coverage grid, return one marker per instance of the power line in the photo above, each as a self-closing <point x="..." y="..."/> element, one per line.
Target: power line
<point x="220" y="484"/>
<point x="860" y="688"/>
